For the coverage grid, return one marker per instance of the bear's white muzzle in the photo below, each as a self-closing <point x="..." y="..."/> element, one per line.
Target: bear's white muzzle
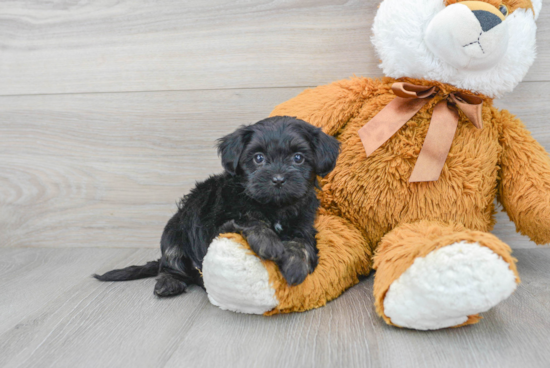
<point x="467" y="39"/>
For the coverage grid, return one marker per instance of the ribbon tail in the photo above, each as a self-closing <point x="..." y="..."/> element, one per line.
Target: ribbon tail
<point x="388" y="121"/>
<point x="436" y="145"/>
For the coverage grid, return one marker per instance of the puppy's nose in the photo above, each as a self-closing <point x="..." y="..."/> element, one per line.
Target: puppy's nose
<point x="278" y="180"/>
<point x="486" y="19"/>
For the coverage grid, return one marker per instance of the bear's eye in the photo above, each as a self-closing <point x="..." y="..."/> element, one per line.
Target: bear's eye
<point x="504" y="10"/>
<point x="259" y="158"/>
<point x="298" y="158"/>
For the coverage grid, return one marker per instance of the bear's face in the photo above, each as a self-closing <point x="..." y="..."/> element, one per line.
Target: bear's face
<point x="484" y="46"/>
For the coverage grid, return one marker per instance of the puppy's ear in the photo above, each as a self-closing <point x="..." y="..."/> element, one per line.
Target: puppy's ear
<point x="326" y="150"/>
<point x="232" y="146"/>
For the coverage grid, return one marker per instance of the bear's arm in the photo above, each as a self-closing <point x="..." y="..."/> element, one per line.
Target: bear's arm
<point x="331" y="106"/>
<point x="524" y="189"/>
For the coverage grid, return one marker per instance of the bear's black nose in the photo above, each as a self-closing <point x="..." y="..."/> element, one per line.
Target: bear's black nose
<point x="487" y="19"/>
<point x="278" y="180"/>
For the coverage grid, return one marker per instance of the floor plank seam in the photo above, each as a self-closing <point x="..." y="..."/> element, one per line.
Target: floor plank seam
<point x="154" y="91"/>
<point x="195" y="89"/>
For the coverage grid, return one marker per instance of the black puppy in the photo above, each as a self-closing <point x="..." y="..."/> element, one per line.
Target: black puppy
<point x="267" y="193"/>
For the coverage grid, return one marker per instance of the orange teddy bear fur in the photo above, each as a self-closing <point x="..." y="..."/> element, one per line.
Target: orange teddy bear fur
<point x="437" y="264"/>
<point x="373" y="218"/>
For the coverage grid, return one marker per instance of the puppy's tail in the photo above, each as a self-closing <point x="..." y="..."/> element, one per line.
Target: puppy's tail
<point x="131" y="273"/>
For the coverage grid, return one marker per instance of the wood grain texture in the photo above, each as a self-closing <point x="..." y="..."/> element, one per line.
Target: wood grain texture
<point x="93" y="324"/>
<point x="130" y="45"/>
<point x="82" y="169"/>
<point x="105" y="170"/>
<point x="348" y="333"/>
<point x="32" y="279"/>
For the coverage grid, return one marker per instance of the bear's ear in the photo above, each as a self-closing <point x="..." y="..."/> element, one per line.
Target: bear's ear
<point x="537" y="6"/>
<point x="232" y="146"/>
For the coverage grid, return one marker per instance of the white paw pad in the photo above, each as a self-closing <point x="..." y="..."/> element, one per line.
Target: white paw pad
<point x="236" y="280"/>
<point x="449" y="284"/>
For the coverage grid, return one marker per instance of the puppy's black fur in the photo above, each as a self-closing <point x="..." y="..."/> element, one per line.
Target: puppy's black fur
<point x="267" y="193"/>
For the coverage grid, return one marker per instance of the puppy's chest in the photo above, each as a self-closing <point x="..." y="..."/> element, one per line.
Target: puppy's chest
<point x="284" y="221"/>
<point x="278" y="227"/>
<point x="284" y="229"/>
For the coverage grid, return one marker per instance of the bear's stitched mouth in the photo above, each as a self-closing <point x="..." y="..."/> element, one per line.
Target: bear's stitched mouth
<point x="478" y="42"/>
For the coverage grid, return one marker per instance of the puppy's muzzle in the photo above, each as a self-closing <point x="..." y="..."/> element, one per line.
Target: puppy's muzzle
<point x="278" y="180"/>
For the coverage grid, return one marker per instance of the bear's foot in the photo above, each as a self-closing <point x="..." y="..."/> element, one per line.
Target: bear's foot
<point x="235" y="279"/>
<point x="428" y="285"/>
<point x="447" y="286"/>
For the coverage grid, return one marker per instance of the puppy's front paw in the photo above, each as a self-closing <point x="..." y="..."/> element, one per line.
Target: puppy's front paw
<point x="304" y="251"/>
<point x="313" y="260"/>
<point x="294" y="269"/>
<point x="266" y="244"/>
<point x="298" y="262"/>
<point x="230" y="227"/>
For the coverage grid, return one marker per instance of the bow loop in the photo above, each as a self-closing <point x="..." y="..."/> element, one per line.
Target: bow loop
<point x="470" y="105"/>
<point x="408" y="90"/>
<point x="410" y="98"/>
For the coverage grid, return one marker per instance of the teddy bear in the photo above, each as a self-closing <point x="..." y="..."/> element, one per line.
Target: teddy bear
<point x="424" y="154"/>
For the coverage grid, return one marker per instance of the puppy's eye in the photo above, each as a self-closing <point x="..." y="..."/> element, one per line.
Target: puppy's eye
<point x="259" y="158"/>
<point x="504" y="10"/>
<point x="298" y="158"/>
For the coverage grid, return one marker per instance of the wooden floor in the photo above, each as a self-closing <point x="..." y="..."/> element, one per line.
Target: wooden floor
<point x="109" y="112"/>
<point x="53" y="314"/>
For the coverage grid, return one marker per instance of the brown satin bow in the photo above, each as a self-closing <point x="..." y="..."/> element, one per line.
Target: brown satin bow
<point x="410" y="99"/>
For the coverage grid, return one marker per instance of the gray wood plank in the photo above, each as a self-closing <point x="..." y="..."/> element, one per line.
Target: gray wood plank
<point x="96" y="324"/>
<point x="106" y="46"/>
<point x="535" y="274"/>
<point x="32" y="278"/>
<point x="342" y="334"/>
<point x="106" y="169"/>
<point x="348" y="333"/>
<point x="540" y="71"/>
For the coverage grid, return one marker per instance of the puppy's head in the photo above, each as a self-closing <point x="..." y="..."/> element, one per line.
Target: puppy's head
<point x="278" y="158"/>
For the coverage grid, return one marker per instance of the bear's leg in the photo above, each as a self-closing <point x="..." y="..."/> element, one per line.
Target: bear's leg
<point x="431" y="275"/>
<point x="236" y="279"/>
